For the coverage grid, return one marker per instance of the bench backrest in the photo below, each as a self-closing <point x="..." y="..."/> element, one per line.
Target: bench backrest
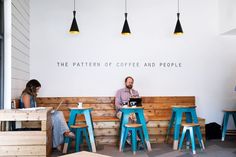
<point x="155" y="107"/>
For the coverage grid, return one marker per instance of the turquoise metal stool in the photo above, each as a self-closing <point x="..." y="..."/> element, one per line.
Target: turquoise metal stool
<point x="225" y="121"/>
<point x="140" y="120"/>
<point x="86" y="111"/>
<point x="189" y="129"/>
<point x="80" y="130"/>
<point x="176" y="119"/>
<point x="133" y="128"/>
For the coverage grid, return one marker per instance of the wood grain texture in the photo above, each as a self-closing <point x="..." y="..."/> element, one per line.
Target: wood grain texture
<point x="27" y="143"/>
<point x="23" y="151"/>
<point x="22" y="138"/>
<point x="106" y="124"/>
<point x="154" y="107"/>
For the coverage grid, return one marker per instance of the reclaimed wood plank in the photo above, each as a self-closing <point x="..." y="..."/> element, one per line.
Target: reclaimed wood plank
<point x="31" y="124"/>
<point x="85" y="100"/>
<point x="9" y="138"/>
<point x="169" y="99"/>
<point x="105" y="125"/>
<point x="22" y="115"/>
<point x="97" y="100"/>
<point x="28" y="150"/>
<point x="106" y="132"/>
<point x="107" y="140"/>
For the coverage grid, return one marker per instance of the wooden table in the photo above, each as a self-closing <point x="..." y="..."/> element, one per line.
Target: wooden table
<point x="140" y="119"/>
<point x="84" y="154"/>
<point x="27" y="143"/>
<point x="86" y="111"/>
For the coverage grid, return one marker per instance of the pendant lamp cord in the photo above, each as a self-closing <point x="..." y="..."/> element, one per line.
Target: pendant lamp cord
<point x="125" y="6"/>
<point x="178" y="6"/>
<point x="74" y="5"/>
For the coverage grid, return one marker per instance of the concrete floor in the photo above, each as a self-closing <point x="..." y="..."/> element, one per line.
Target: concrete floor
<point x="214" y="148"/>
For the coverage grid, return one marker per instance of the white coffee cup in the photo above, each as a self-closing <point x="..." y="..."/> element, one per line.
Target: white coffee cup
<point x="80" y="105"/>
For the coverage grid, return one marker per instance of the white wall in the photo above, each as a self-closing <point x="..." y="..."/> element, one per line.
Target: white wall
<point x="208" y="59"/>
<point x="20" y="46"/>
<point x="227" y="16"/>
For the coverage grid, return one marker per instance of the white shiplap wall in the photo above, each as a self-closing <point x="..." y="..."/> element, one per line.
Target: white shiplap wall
<point x="20" y="45"/>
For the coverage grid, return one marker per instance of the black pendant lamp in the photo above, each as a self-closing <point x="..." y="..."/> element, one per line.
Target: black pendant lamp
<point x="126" y="30"/>
<point x="178" y="27"/>
<point x="74" y="27"/>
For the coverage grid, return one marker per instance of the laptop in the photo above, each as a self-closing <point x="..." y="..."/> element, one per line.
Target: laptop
<point x="135" y="102"/>
<point x="57" y="107"/>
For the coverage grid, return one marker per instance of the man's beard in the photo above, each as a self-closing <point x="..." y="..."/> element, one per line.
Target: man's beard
<point x="129" y="86"/>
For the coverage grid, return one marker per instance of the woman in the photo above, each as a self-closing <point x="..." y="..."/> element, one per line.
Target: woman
<point x="59" y="125"/>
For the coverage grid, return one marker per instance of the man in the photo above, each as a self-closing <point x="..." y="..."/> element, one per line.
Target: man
<point x="122" y="98"/>
<point x="123" y="95"/>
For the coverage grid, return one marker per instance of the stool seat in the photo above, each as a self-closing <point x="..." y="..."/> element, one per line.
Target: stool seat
<point x="190" y="124"/>
<point x="133" y="125"/>
<point x="229" y="110"/>
<point x="80" y="131"/>
<point x="134" y="129"/>
<point x="190" y="129"/>
<point x="79" y="126"/>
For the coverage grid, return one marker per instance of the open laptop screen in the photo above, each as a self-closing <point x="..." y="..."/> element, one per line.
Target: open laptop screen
<point x="135" y="102"/>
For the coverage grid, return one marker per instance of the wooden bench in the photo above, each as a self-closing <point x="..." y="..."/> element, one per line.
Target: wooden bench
<point x="26" y="143"/>
<point x="106" y="124"/>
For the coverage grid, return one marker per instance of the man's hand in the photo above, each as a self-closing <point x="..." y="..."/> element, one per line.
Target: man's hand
<point x="133" y="117"/>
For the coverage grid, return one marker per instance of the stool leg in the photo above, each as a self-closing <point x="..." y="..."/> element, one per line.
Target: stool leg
<point x="182" y="138"/>
<point x="234" y="117"/>
<point x="124" y="120"/>
<point x="67" y="141"/>
<point x="142" y="137"/>
<point x="189" y="119"/>
<point x="138" y="120"/>
<point x="78" y="139"/>
<point x="188" y="138"/>
<point x="192" y="139"/>
<point x="177" y="128"/>
<point x="195" y="120"/>
<point x="124" y="139"/>
<point x="85" y="131"/>
<point x="91" y="121"/>
<point x="199" y="136"/>
<point x="170" y="125"/>
<point x="194" y="116"/>
<point x="225" y="123"/>
<point x="134" y="141"/>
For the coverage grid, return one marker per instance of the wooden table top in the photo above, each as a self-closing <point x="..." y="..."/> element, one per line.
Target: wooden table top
<point x="27" y="114"/>
<point x="82" y="108"/>
<point x="84" y="154"/>
<point x="27" y="110"/>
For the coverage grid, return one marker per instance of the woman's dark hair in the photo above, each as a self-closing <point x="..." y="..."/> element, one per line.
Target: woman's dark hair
<point x="31" y="87"/>
<point x="128" y="78"/>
